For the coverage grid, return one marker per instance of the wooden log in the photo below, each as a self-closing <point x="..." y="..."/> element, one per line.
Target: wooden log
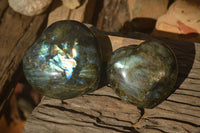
<point x="103" y="111"/>
<point x="17" y="33"/>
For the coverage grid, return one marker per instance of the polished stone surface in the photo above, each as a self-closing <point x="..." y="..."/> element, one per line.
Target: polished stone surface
<point x="64" y="62"/>
<point x="144" y="75"/>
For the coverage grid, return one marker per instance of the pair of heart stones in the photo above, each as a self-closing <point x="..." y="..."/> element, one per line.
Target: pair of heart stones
<point x="65" y="62"/>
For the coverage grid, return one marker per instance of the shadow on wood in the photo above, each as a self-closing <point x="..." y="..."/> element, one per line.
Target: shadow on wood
<point x="103" y="111"/>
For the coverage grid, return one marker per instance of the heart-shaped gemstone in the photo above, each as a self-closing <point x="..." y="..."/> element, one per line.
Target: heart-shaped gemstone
<point x="64" y="62"/>
<point x="144" y="75"/>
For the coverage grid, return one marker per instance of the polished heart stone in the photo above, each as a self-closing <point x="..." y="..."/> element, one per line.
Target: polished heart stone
<point x="144" y="75"/>
<point x="64" y="62"/>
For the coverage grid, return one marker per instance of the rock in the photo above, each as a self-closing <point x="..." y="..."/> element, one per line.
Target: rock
<point x="64" y="62"/>
<point x="183" y="17"/>
<point x="130" y="15"/>
<point x="147" y="8"/>
<point x="82" y="14"/>
<point x="144" y="75"/>
<point x="29" y="7"/>
<point x="71" y="4"/>
<point x="113" y="15"/>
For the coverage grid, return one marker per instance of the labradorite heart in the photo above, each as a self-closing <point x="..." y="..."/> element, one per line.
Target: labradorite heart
<point x="144" y="75"/>
<point x="64" y="62"/>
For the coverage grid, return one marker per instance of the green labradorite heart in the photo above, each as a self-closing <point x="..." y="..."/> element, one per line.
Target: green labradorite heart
<point x="64" y="62"/>
<point x="144" y="75"/>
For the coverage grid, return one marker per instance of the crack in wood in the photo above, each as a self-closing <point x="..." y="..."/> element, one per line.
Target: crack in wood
<point x="178" y="112"/>
<point x="154" y="128"/>
<point x="183" y="103"/>
<point x="188" y="89"/>
<point x="44" y="113"/>
<point x="186" y="94"/>
<point x="194" y="78"/>
<point x="186" y="130"/>
<point x="59" y="123"/>
<point x="70" y="110"/>
<point x="142" y="111"/>
<point x="3" y="12"/>
<point x="176" y="120"/>
<point x="118" y="119"/>
<point x="91" y="116"/>
<point x="99" y="122"/>
<point x="131" y="130"/>
<point x="105" y="96"/>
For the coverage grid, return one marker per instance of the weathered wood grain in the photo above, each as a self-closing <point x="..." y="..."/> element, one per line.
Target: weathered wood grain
<point x="82" y="14"/>
<point x="103" y="111"/>
<point x="17" y="33"/>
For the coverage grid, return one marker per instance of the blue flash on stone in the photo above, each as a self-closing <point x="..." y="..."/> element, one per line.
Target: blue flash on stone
<point x="144" y="75"/>
<point x="66" y="62"/>
<point x="53" y="38"/>
<point x="60" y="63"/>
